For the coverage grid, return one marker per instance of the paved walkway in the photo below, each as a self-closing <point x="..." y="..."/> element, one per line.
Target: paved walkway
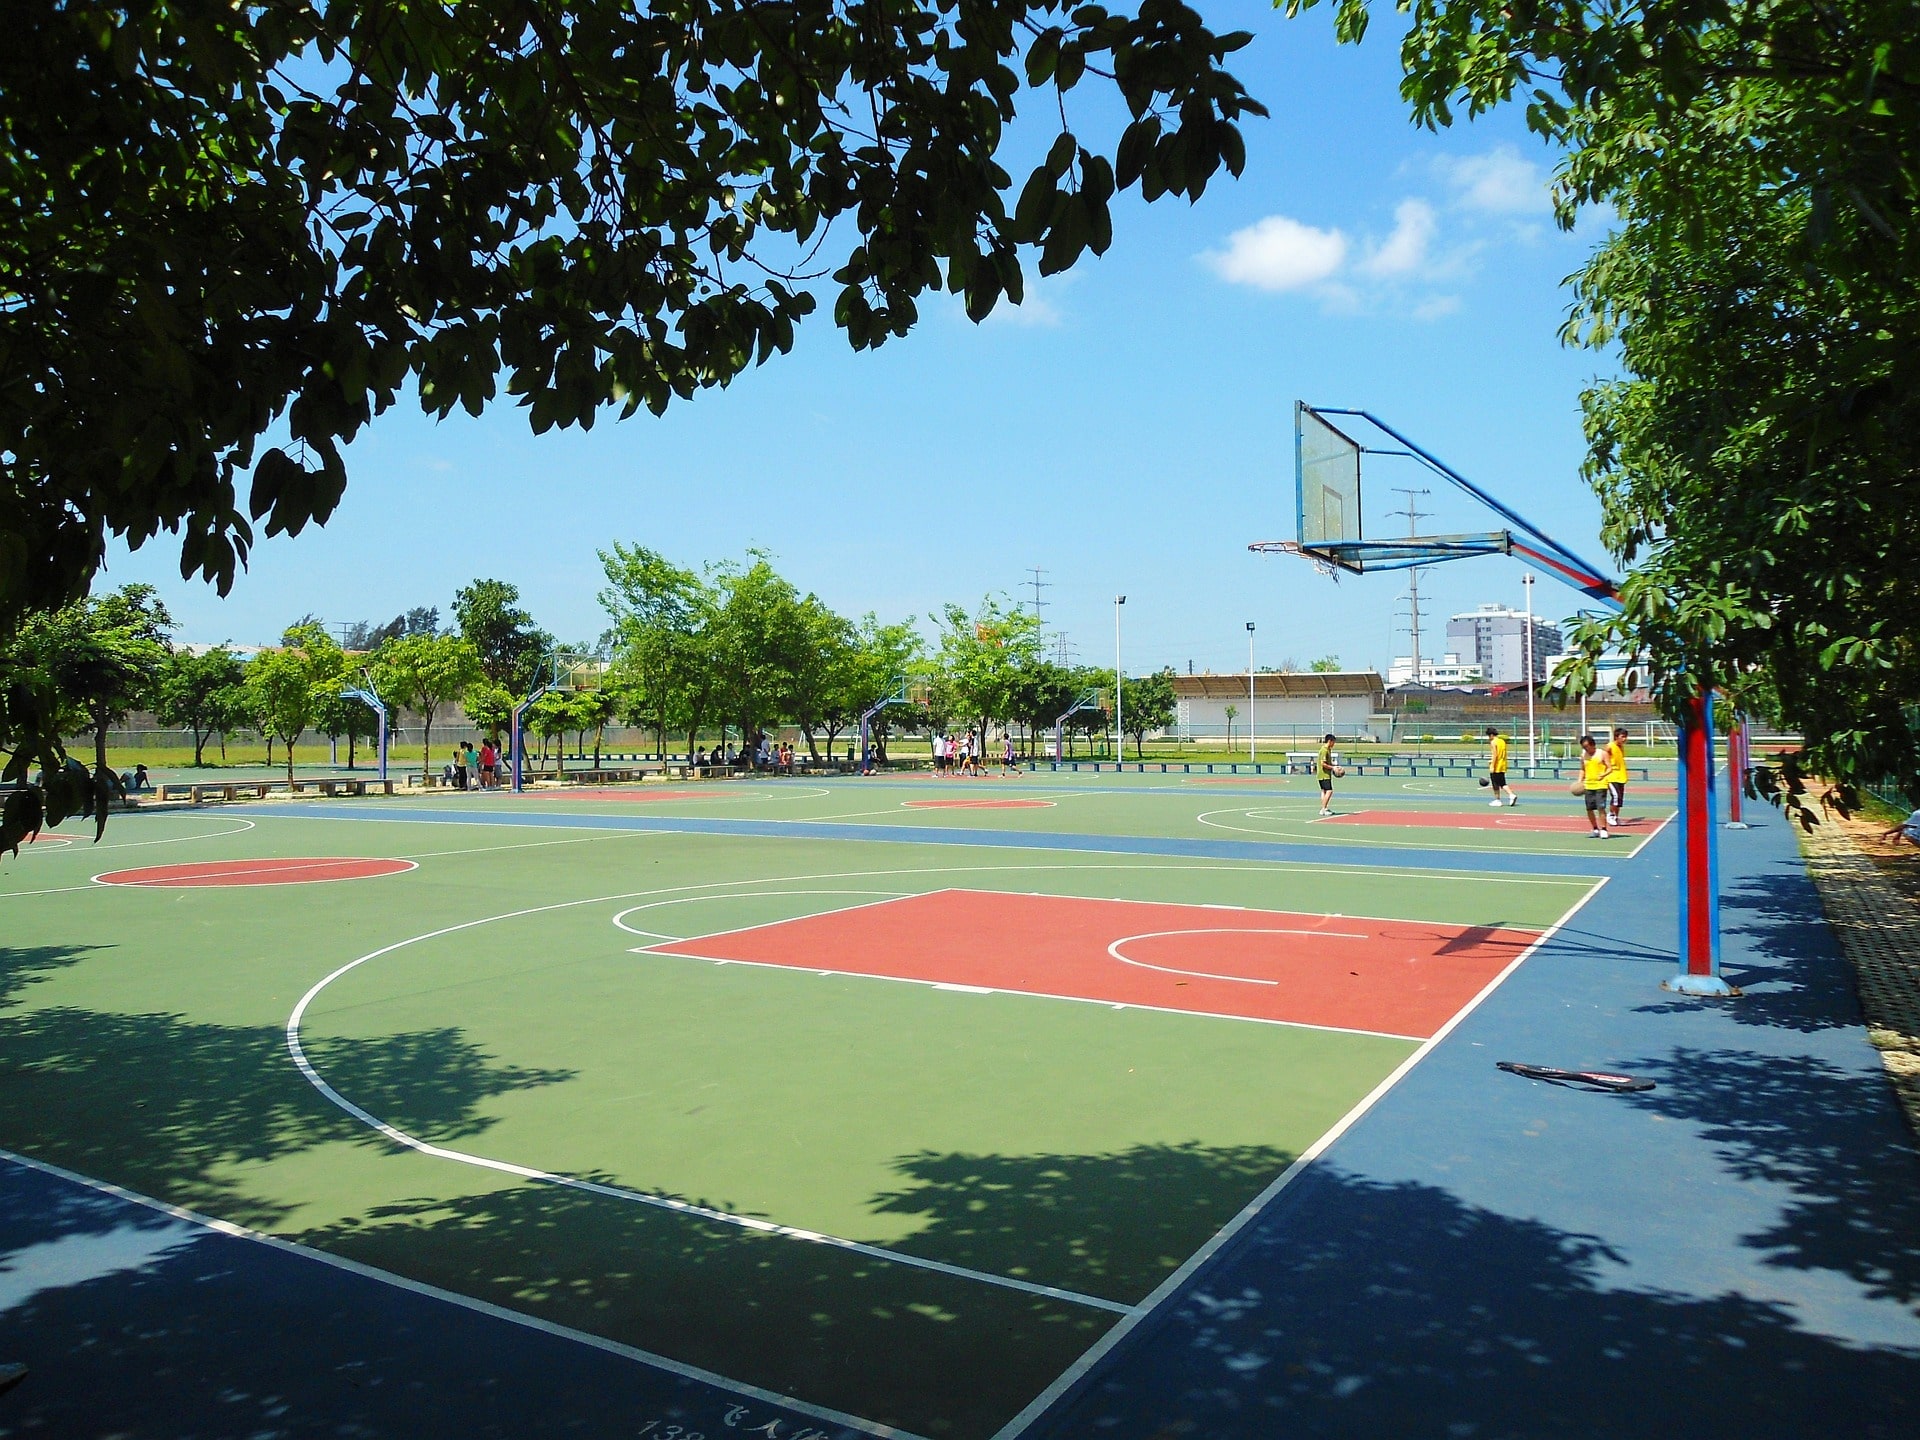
<point x="1878" y="928"/>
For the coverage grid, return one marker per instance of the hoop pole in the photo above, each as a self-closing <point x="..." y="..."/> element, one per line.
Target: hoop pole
<point x="379" y="707"/>
<point x="1250" y="728"/>
<point x="1533" y="755"/>
<point x="1738" y="758"/>
<point x="519" y="735"/>
<point x="1699" y="972"/>
<point x="898" y="697"/>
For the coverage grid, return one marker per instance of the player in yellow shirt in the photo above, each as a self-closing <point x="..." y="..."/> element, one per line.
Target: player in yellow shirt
<point x="1616" y="753"/>
<point x="1497" y="769"/>
<point x="1593" y="779"/>
<point x="1327" y="770"/>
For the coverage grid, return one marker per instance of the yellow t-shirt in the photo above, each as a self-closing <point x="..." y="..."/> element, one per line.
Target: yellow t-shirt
<point x="1499" y="761"/>
<point x="1593" y="770"/>
<point x="1324" y="767"/>
<point x="1616" y="754"/>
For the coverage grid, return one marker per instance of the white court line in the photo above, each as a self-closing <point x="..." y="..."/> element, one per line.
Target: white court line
<point x="526" y="1172"/>
<point x="888" y="896"/>
<point x="71" y="844"/>
<point x="1166" y="1288"/>
<point x="1369" y="842"/>
<point x="464" y="1302"/>
<point x="1114" y="950"/>
<point x="1264" y="867"/>
<point x="757" y="792"/>
<point x="59" y="890"/>
<point x="1016" y="994"/>
<point x="523" y="845"/>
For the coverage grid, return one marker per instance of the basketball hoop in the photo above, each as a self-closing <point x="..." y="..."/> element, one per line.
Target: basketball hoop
<point x="1321" y="564"/>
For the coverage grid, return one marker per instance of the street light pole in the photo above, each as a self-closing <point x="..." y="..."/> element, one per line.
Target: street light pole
<point x="1527" y="650"/>
<point x="1119" y="685"/>
<point x="1250" y="741"/>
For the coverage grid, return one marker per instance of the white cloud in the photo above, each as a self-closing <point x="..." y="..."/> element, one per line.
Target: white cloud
<point x="1034" y="312"/>
<point x="1436" y="307"/>
<point x="1500" y="182"/>
<point x="1278" y="253"/>
<point x="1404" y="252"/>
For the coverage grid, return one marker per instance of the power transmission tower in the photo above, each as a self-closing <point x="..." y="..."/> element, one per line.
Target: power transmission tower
<point x="1414" y="516"/>
<point x="1063" y="649"/>
<point x="1038" y="585"/>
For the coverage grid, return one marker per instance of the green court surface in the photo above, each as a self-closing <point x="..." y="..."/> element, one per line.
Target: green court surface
<point x="842" y="1173"/>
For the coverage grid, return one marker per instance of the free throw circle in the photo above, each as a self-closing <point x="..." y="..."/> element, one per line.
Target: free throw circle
<point x="295" y="871"/>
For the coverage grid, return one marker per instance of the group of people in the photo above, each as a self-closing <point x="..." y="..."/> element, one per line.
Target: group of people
<point x="966" y="754"/>
<point x="765" y="754"/>
<point x="1602" y="785"/>
<point x="471" y="769"/>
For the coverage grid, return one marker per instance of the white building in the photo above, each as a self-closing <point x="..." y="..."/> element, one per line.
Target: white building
<point x="1449" y="669"/>
<point x="1493" y="637"/>
<point x="1299" y="706"/>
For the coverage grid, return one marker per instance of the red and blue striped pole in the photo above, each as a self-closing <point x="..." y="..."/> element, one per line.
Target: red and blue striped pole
<point x="1738" y="759"/>
<point x="1699" y="972"/>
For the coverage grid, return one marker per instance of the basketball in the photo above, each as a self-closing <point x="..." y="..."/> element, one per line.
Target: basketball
<point x="1338" y="772"/>
<point x="1484" y="782"/>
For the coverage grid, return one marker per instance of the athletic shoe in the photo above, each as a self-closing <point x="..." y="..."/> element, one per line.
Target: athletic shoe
<point x="1604" y="835"/>
<point x="1593" y="834"/>
<point x="1494" y="803"/>
<point x="1513" y="799"/>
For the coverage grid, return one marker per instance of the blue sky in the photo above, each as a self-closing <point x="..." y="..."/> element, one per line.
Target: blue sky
<point x="1128" y="430"/>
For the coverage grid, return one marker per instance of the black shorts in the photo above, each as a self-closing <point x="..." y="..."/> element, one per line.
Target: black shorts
<point x="1326" y="782"/>
<point x="1617" y="791"/>
<point x="1597" y="799"/>
<point x="1499" y="779"/>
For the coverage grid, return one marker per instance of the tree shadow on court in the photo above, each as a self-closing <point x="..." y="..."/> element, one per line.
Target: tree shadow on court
<point x="1847" y="1173"/>
<point x="24" y="965"/>
<point x="933" y="1353"/>
<point x="171" y="1107"/>
<point x="1781" y="953"/>
<point x="1111" y="1225"/>
<point x="1357" y="1308"/>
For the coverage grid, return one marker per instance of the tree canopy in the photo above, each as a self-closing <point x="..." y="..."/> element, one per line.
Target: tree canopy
<point x="273" y="219"/>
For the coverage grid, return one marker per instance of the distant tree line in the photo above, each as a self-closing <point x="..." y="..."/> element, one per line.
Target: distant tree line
<point x="732" y="644"/>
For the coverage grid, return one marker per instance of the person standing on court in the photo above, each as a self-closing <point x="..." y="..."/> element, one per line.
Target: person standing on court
<point x="1616" y="775"/>
<point x="1594" y="765"/>
<point x="1326" y="770"/>
<point x="1497" y="769"/>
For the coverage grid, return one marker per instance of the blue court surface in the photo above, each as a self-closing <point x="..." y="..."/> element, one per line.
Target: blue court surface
<point x="1735" y="1253"/>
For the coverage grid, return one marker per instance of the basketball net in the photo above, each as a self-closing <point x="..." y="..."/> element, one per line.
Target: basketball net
<point x="1292" y="547"/>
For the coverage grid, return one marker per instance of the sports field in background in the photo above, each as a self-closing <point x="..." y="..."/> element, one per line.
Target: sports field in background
<point x="891" y="1096"/>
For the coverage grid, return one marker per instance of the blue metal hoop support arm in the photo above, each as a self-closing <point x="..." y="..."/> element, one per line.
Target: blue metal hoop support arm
<point x="1546" y="554"/>
<point x="379" y="707"/>
<point x="519" y="733"/>
<point x="897" y="696"/>
<point x="1088" y="701"/>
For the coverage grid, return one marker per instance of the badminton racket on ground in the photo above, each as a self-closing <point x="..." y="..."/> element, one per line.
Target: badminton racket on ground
<point x="1582" y="1079"/>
